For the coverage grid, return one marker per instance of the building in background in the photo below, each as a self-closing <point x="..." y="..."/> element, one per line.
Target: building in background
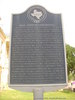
<point x="4" y="56"/>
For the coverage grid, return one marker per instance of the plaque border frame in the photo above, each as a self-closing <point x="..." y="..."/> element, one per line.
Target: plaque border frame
<point x="31" y="87"/>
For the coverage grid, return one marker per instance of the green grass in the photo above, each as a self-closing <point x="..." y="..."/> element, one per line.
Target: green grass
<point x="17" y="95"/>
<point x="63" y="95"/>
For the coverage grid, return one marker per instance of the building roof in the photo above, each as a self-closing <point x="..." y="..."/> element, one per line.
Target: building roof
<point x="2" y="35"/>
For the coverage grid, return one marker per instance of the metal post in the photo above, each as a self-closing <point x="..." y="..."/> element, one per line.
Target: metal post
<point x="38" y="94"/>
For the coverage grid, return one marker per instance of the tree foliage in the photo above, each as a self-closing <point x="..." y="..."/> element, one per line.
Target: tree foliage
<point x="70" y="54"/>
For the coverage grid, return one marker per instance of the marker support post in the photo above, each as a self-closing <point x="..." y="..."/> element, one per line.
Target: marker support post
<point x="38" y="94"/>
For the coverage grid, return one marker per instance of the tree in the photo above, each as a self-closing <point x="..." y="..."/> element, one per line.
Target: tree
<point x="70" y="54"/>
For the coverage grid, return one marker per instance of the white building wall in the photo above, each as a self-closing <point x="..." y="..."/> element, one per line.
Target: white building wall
<point x="4" y="64"/>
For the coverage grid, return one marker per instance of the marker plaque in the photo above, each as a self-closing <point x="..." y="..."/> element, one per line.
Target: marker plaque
<point x="37" y="54"/>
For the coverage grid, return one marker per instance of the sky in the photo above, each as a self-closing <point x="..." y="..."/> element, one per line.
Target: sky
<point x="65" y="7"/>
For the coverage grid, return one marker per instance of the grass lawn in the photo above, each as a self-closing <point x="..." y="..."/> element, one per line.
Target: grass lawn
<point x="17" y="95"/>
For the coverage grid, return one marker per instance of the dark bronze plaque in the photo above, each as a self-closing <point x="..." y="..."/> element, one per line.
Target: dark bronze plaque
<point x="37" y="48"/>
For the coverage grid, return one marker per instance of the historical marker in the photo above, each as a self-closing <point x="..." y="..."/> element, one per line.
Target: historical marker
<point x="37" y="54"/>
